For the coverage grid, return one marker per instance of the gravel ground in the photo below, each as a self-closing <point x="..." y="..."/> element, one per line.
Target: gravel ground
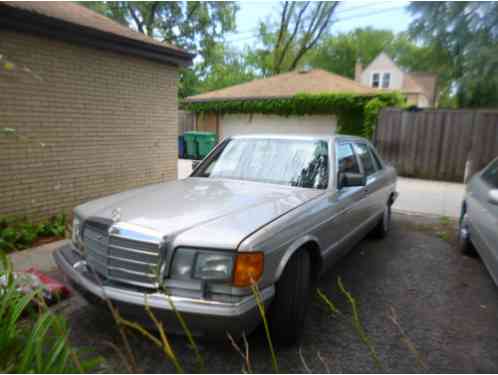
<point x="445" y="303"/>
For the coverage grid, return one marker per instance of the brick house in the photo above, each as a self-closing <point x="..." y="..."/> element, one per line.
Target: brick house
<point x="93" y="105"/>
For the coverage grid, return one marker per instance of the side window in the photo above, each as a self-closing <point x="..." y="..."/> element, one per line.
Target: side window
<point x="375" y="80"/>
<point x="346" y="159"/>
<point x="386" y="80"/>
<point x="366" y="159"/>
<point x="377" y="162"/>
<point x="490" y="175"/>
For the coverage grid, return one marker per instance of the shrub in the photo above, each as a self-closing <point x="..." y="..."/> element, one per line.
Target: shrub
<point x="16" y="234"/>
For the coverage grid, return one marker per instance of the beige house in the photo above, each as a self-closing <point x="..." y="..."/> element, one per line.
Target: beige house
<point x="384" y="74"/>
<point x="90" y="108"/>
<point x="284" y="85"/>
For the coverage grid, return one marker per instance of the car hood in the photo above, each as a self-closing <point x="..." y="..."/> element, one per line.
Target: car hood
<point x="204" y="212"/>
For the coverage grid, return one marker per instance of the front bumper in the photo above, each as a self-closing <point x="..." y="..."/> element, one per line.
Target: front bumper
<point x="203" y="317"/>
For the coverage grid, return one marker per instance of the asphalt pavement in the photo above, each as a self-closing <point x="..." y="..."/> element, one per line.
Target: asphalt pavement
<point x="423" y="307"/>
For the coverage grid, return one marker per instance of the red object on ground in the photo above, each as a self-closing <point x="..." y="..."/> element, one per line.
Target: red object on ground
<point x="53" y="289"/>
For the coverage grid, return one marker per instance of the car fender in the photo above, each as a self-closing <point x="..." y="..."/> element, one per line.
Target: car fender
<point x="295" y="246"/>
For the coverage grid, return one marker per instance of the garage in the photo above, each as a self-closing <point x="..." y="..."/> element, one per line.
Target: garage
<point x="233" y="124"/>
<point x="296" y="102"/>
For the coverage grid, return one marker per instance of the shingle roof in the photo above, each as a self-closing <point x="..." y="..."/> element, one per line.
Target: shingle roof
<point x="85" y="18"/>
<point x="316" y="81"/>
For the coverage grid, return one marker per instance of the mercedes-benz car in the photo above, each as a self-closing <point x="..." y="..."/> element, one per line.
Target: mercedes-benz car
<point x="478" y="229"/>
<point x="265" y="211"/>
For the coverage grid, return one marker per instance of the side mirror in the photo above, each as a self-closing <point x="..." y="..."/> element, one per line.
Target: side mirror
<point x="195" y="164"/>
<point x="493" y="196"/>
<point x="351" y="179"/>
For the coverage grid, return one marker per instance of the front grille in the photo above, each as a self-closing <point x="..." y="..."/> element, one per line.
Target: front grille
<point x="121" y="259"/>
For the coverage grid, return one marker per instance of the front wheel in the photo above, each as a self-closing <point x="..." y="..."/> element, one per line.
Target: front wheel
<point x="384" y="224"/>
<point x="288" y="309"/>
<point x="464" y="244"/>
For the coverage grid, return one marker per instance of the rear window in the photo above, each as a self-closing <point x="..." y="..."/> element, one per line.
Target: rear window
<point x="366" y="158"/>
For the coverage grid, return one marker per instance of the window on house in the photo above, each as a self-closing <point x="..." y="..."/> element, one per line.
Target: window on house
<point x="375" y="80"/>
<point x="386" y="80"/>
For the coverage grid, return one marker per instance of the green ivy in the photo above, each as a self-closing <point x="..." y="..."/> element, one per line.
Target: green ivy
<point x="357" y="114"/>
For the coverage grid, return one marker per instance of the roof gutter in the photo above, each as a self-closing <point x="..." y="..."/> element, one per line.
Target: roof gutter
<point x="24" y="21"/>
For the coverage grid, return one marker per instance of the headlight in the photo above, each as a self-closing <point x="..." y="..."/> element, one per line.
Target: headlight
<point x="76" y="233"/>
<point x="199" y="264"/>
<point x="213" y="266"/>
<point x="242" y="269"/>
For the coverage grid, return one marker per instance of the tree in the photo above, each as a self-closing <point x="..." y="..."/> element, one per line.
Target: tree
<point x="465" y="35"/>
<point x="229" y="67"/>
<point x="193" y="25"/>
<point x="300" y="27"/>
<point x="339" y="53"/>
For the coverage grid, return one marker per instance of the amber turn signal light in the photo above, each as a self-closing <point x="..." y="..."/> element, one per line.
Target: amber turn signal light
<point x="248" y="268"/>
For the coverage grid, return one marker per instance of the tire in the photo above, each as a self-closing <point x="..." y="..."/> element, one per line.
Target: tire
<point x="288" y="309"/>
<point x="464" y="244"/>
<point x="382" y="228"/>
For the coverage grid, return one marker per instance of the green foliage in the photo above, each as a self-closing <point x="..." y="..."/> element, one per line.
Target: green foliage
<point x="196" y="26"/>
<point x="227" y="67"/>
<point x="39" y="344"/>
<point x="463" y="39"/>
<point x="357" y="114"/>
<point x="16" y="234"/>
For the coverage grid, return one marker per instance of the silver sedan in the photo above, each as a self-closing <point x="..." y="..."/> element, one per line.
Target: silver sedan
<point x="270" y="210"/>
<point x="478" y="228"/>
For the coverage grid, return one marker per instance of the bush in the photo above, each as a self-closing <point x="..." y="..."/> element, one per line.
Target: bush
<point x="16" y="234"/>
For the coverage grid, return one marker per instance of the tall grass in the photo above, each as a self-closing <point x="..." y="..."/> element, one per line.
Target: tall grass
<point x="262" y="312"/>
<point x="355" y="318"/>
<point x="34" y="340"/>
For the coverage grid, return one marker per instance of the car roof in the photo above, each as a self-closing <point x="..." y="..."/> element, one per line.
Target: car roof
<point x="303" y="136"/>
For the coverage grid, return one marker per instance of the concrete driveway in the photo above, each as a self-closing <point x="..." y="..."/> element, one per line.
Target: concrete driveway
<point x="423" y="306"/>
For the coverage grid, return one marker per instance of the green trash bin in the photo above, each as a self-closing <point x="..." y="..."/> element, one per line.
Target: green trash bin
<point x="205" y="143"/>
<point x="191" y="149"/>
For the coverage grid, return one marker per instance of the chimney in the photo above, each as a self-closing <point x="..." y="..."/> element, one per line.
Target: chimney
<point x="358" y="69"/>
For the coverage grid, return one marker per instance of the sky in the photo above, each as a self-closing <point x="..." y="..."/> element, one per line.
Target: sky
<point x="350" y="14"/>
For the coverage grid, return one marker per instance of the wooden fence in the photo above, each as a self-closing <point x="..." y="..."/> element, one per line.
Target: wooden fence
<point x="186" y="122"/>
<point x="437" y="144"/>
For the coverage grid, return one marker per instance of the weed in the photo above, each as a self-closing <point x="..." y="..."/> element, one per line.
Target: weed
<point x="186" y="330"/>
<point x="444" y="220"/>
<point x="247" y="368"/>
<point x="404" y="337"/>
<point x="36" y="345"/>
<point x="355" y="318"/>
<point x="443" y="235"/>
<point x="261" y="308"/>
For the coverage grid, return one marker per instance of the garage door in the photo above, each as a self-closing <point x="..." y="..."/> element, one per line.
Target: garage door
<point x="264" y="124"/>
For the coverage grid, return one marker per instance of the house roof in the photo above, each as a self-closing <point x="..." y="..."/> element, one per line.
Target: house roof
<point x="316" y="81"/>
<point x="57" y="19"/>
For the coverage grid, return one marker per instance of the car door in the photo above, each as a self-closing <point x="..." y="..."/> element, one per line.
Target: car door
<point x="484" y="217"/>
<point x="371" y="201"/>
<point x="341" y="232"/>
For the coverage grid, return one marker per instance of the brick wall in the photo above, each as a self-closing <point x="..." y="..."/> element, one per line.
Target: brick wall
<point x="108" y="123"/>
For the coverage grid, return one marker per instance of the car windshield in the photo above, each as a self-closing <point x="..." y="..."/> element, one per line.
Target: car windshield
<point x="293" y="162"/>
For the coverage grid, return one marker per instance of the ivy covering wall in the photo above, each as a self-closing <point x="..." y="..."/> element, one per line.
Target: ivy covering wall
<point x="356" y="114"/>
